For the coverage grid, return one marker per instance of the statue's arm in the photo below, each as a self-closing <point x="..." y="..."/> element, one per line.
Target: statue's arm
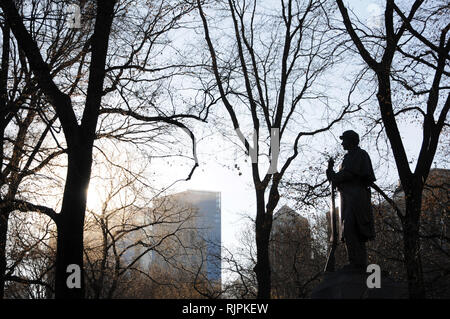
<point x="339" y="177"/>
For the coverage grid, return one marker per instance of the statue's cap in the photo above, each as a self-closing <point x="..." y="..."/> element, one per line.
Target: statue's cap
<point x="350" y="135"/>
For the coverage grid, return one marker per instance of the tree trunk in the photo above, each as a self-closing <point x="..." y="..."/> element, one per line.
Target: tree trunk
<point x="70" y="224"/>
<point x="411" y="243"/>
<point x="4" y="213"/>
<point x="4" y="216"/>
<point x="262" y="230"/>
<point x="413" y="190"/>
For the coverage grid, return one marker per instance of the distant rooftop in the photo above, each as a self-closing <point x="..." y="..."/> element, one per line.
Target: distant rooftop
<point x="188" y="192"/>
<point x="286" y="211"/>
<point x="197" y="191"/>
<point x="434" y="173"/>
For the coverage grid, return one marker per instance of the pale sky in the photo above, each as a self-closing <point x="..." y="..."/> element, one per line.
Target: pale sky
<point x="217" y="158"/>
<point x="217" y="173"/>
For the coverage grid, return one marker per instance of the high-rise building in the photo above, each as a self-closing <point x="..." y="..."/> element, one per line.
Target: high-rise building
<point x="290" y="254"/>
<point x="387" y="248"/>
<point x="289" y="227"/>
<point x="198" y="227"/>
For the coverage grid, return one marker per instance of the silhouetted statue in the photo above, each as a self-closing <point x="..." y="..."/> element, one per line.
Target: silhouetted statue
<point x="353" y="182"/>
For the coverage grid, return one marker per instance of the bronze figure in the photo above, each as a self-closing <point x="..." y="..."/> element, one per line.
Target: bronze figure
<point x="353" y="182"/>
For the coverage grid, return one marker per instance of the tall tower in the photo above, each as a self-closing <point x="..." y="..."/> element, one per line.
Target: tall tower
<point x="200" y="236"/>
<point x="208" y="224"/>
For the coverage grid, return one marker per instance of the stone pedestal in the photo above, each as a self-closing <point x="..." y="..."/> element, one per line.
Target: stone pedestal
<point x="352" y="284"/>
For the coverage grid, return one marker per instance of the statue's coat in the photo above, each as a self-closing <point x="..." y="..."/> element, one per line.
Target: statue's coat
<point x="353" y="182"/>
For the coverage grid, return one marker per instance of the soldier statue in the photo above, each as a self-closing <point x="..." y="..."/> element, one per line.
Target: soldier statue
<point x="353" y="182"/>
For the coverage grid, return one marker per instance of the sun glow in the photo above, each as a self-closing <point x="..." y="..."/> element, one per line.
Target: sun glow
<point x="94" y="198"/>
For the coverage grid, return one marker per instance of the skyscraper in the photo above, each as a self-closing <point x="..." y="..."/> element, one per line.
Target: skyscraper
<point x="290" y="254"/>
<point x="199" y="231"/>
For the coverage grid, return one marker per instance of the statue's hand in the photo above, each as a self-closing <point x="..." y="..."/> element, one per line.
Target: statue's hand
<point x="330" y="164"/>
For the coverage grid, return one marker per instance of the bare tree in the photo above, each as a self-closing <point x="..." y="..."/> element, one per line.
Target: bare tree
<point x="297" y="250"/>
<point x="266" y="76"/>
<point x="297" y="263"/>
<point x="25" y="126"/>
<point x="128" y="229"/>
<point x="79" y="138"/>
<point x="238" y="266"/>
<point x="78" y="103"/>
<point x="413" y="44"/>
<point x="31" y="256"/>
<point x="387" y="250"/>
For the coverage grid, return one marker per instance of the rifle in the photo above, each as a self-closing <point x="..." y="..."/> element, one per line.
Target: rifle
<point x="331" y="260"/>
<point x="390" y="201"/>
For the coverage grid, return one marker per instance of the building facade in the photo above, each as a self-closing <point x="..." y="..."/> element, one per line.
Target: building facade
<point x="197" y="248"/>
<point x="291" y="257"/>
<point x="387" y="249"/>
